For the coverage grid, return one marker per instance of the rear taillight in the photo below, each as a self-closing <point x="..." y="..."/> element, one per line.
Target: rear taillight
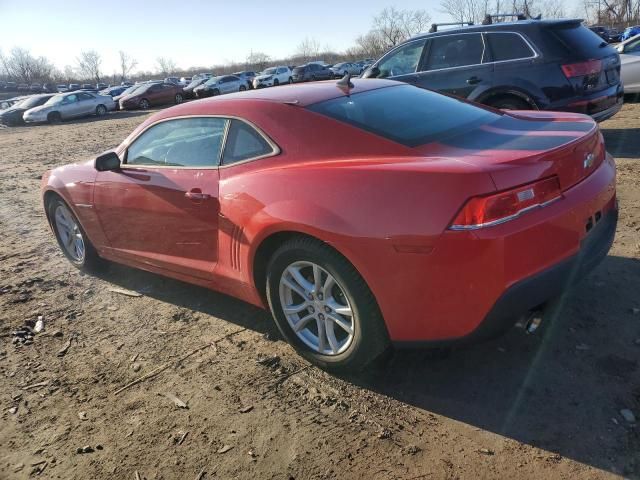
<point x="582" y="69"/>
<point x="486" y="211"/>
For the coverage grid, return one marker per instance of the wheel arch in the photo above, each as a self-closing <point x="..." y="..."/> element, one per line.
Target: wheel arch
<point x="501" y="92"/>
<point x="267" y="247"/>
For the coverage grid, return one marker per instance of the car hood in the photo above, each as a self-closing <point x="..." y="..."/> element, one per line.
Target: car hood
<point x="40" y="109"/>
<point x="12" y="111"/>
<point x="262" y="77"/>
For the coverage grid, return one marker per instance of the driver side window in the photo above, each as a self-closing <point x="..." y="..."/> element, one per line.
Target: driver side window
<point x="185" y="142"/>
<point x="402" y="61"/>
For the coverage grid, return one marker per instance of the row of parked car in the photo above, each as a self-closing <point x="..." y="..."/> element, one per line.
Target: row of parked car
<point x="527" y="64"/>
<point x="612" y="35"/>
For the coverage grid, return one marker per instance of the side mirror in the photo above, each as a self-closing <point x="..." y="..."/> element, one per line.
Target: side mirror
<point x="371" y="72"/>
<point x="107" y="162"/>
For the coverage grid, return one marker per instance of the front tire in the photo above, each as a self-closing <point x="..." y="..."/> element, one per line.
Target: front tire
<point x="323" y="307"/>
<point x="71" y="237"/>
<point x="276" y="82"/>
<point x="144" y="104"/>
<point x="242" y="88"/>
<point x="54" y="117"/>
<point x="178" y="98"/>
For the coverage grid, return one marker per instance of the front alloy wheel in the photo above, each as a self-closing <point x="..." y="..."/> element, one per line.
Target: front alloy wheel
<point x="69" y="234"/>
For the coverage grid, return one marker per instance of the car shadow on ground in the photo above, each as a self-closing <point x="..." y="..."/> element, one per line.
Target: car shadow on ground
<point x="622" y="142"/>
<point x="557" y="390"/>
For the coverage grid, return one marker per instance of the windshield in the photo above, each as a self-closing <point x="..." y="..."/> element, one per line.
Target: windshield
<point x="55" y="100"/>
<point x="212" y="81"/>
<point x="270" y="71"/>
<point x="405" y="114"/>
<point x="32" y="102"/>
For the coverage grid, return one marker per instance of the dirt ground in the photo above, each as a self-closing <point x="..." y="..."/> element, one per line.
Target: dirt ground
<point x="542" y="406"/>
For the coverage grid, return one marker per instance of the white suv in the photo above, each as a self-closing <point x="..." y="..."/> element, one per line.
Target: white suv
<point x="272" y="77"/>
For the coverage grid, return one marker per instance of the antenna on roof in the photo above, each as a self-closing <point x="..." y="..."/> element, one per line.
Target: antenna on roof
<point x="345" y="82"/>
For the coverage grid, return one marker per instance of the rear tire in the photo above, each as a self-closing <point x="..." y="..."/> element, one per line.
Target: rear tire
<point x="215" y="92"/>
<point x="242" y="88"/>
<point x="71" y="237"/>
<point x="357" y="338"/>
<point x="509" y="103"/>
<point x="290" y="79"/>
<point x="54" y="117"/>
<point x="101" y="110"/>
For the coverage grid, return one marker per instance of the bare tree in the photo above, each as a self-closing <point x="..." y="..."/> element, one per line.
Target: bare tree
<point x="466" y="10"/>
<point x="127" y="64"/>
<point x="89" y="65"/>
<point x="23" y="66"/>
<point x="257" y="61"/>
<point x="394" y="26"/>
<point x="166" y="66"/>
<point x="308" y="49"/>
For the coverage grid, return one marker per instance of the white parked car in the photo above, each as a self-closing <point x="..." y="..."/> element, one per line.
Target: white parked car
<point x="629" y="51"/>
<point x="70" y="105"/>
<point x="272" y="77"/>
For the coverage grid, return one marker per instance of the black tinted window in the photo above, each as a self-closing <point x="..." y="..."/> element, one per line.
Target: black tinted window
<point x="243" y="142"/>
<point x="188" y="142"/>
<point x="508" y="46"/>
<point x="455" y="51"/>
<point x="579" y="39"/>
<point x="405" y="114"/>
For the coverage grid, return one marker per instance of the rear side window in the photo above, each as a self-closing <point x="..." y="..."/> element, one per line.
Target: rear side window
<point x="244" y="142"/>
<point x="579" y="39"/>
<point x="402" y="61"/>
<point x="508" y="46"/>
<point x="405" y="114"/>
<point x="455" y="51"/>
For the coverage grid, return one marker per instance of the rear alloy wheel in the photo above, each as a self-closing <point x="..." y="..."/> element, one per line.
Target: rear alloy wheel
<point x="54" y="117"/>
<point x="178" y="98"/>
<point x="144" y="104"/>
<point x="101" y="110"/>
<point x="509" y="103"/>
<point x="276" y="82"/>
<point x="323" y="307"/>
<point x="71" y="237"/>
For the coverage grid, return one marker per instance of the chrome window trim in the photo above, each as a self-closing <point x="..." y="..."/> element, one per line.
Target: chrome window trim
<point x="483" y="33"/>
<point x="124" y="149"/>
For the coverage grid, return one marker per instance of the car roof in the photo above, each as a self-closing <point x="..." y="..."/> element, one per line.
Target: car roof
<point x="516" y="25"/>
<point x="302" y="94"/>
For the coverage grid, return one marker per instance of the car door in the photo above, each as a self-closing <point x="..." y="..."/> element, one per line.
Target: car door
<point x="70" y="106"/>
<point x="630" y="66"/>
<point x="161" y="208"/>
<point x="86" y="104"/>
<point x="456" y="64"/>
<point x="400" y="63"/>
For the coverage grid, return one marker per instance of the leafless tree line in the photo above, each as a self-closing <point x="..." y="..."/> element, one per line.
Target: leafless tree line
<point x="617" y="13"/>
<point x="476" y="10"/>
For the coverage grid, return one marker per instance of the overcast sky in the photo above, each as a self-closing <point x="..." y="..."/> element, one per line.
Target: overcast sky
<point x="191" y="32"/>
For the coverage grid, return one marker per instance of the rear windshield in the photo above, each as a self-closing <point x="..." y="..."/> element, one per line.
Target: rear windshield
<point x="299" y="69"/>
<point x="580" y="40"/>
<point x="405" y="114"/>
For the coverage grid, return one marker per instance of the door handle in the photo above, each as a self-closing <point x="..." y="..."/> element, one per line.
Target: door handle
<point x="196" y="195"/>
<point x="473" y="80"/>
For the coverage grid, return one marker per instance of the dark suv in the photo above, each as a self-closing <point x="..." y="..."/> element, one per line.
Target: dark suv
<point x="311" y="72"/>
<point x="528" y="64"/>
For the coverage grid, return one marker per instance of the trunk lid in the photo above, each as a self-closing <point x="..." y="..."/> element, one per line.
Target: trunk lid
<point x="523" y="147"/>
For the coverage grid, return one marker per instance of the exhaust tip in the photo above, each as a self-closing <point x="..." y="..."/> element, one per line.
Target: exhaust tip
<point x="533" y="322"/>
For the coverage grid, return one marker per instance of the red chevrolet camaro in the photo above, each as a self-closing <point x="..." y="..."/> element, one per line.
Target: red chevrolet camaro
<point x="363" y="215"/>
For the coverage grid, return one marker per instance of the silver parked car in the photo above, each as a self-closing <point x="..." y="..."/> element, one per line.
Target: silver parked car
<point x="70" y="105"/>
<point x="629" y="51"/>
<point x="220" y="85"/>
<point x="341" y="69"/>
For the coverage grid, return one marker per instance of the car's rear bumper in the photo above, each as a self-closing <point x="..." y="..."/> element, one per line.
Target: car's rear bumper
<point x="600" y="106"/>
<point x="542" y="290"/>
<point x="445" y="293"/>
